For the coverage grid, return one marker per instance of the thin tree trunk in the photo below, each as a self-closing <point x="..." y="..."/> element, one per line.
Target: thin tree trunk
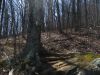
<point x="0" y="3"/>
<point x="2" y="14"/>
<point x="58" y="14"/>
<point x="86" y="13"/>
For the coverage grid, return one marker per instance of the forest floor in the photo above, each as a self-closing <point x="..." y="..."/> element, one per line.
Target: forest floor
<point x="69" y="50"/>
<point x="65" y="51"/>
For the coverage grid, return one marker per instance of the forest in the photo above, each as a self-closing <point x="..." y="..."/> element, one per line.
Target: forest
<point x="49" y="37"/>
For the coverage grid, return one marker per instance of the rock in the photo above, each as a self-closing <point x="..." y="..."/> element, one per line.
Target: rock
<point x="92" y="69"/>
<point x="96" y="62"/>
<point x="73" y="60"/>
<point x="81" y="73"/>
<point x="88" y="72"/>
<point x="11" y="72"/>
<point x="94" y="65"/>
<point x="67" y="70"/>
<point x="72" y="71"/>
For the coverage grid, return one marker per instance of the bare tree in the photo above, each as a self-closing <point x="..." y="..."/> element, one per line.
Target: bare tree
<point x="0" y="3"/>
<point x="2" y="14"/>
<point x="86" y="12"/>
<point x="58" y="17"/>
<point x="30" y="52"/>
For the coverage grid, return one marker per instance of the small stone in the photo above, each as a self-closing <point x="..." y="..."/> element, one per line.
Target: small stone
<point x="96" y="62"/>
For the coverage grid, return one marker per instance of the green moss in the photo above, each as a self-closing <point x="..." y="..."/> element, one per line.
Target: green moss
<point x="86" y="58"/>
<point x="89" y="56"/>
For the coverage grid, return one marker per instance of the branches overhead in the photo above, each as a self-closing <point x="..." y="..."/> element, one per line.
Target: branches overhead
<point x="56" y="14"/>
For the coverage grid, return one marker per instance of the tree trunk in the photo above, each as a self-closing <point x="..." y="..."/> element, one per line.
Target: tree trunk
<point x="86" y="13"/>
<point x="58" y="16"/>
<point x="78" y="18"/>
<point x="73" y="15"/>
<point x="2" y="14"/>
<point x="0" y="3"/>
<point x="30" y="52"/>
<point x="63" y="14"/>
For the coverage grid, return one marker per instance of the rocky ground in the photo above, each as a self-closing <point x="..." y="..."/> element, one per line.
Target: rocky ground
<point x="65" y="53"/>
<point x="70" y="51"/>
<point x="71" y="42"/>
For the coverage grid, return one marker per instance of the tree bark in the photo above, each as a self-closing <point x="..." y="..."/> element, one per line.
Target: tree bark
<point x="58" y="16"/>
<point x="0" y="3"/>
<point x="86" y="13"/>
<point x="30" y="52"/>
